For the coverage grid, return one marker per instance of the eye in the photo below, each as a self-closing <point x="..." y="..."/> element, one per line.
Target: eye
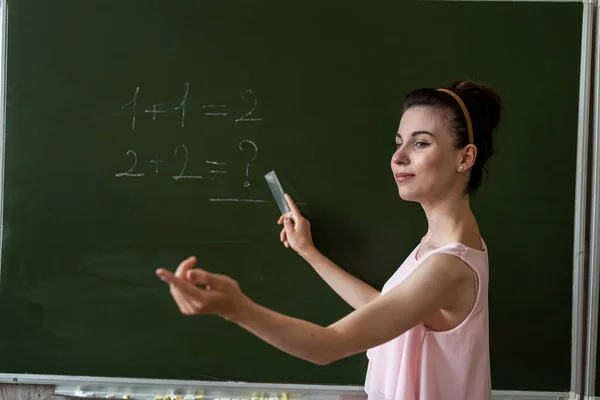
<point x="421" y="144"/>
<point x="398" y="145"/>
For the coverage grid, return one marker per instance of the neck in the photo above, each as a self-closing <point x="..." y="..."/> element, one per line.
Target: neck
<point x="449" y="219"/>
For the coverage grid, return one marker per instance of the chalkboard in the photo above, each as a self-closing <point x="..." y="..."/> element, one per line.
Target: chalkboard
<point x="138" y="133"/>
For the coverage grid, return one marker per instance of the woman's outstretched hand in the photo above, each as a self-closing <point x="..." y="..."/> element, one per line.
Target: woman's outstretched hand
<point x="296" y="230"/>
<point x="218" y="294"/>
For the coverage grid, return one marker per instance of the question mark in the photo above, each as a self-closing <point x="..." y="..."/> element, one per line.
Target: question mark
<point x="247" y="181"/>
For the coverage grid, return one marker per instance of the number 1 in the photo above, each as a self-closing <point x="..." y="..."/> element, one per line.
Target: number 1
<point x="186" y="88"/>
<point x="133" y="103"/>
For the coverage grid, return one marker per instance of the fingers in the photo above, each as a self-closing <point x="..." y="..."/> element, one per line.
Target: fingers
<point x="283" y="235"/>
<point x="167" y="277"/>
<point x="184" y="304"/>
<point x="188" y="297"/>
<point x="200" y="277"/>
<point x="282" y="217"/>
<point x="222" y="295"/>
<point x="288" y="224"/>
<point x="164" y="275"/>
<point x="283" y="238"/>
<point x="185" y="266"/>
<point x="295" y="211"/>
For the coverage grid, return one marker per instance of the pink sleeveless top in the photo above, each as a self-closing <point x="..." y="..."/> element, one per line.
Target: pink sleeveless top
<point x="422" y="364"/>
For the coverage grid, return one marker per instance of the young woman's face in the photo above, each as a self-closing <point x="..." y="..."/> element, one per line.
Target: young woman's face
<point x="426" y="164"/>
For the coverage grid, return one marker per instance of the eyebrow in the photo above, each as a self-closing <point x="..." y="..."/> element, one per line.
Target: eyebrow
<point x="415" y="133"/>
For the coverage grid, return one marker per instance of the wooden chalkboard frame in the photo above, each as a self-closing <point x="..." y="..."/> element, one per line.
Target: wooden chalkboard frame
<point x="99" y="387"/>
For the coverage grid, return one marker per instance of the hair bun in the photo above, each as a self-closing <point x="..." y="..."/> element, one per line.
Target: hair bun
<point x="480" y="100"/>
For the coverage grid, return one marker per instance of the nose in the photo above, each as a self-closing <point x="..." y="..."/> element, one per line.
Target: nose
<point x="400" y="157"/>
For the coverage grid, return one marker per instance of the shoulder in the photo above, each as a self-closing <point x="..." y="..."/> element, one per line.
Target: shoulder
<point x="447" y="267"/>
<point x="433" y="285"/>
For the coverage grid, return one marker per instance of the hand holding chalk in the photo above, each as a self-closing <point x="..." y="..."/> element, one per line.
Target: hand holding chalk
<point x="296" y="230"/>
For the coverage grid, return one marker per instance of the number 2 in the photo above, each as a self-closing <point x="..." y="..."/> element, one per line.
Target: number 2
<point x="245" y="118"/>
<point x="185" y="160"/>
<point x="129" y="172"/>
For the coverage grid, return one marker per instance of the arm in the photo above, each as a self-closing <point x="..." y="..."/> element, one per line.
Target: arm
<point x="354" y="291"/>
<point x="297" y="235"/>
<point x="431" y="287"/>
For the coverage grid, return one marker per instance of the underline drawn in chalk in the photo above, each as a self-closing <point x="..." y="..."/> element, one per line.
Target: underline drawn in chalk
<point x="134" y="103"/>
<point x="129" y="172"/>
<point x="239" y="201"/>
<point x="185" y="160"/>
<point x="233" y="200"/>
<point x="247" y="181"/>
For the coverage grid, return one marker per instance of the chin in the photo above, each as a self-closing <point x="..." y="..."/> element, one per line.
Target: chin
<point x="408" y="195"/>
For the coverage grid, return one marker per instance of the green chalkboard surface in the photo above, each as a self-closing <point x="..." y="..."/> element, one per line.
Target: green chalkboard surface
<point x="138" y="133"/>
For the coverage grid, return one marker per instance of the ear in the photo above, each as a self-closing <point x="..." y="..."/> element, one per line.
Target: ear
<point x="467" y="158"/>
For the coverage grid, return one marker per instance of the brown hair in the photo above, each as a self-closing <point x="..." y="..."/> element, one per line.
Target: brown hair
<point x="484" y="107"/>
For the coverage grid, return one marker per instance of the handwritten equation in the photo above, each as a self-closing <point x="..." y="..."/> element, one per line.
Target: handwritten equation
<point x="215" y="168"/>
<point x="180" y="106"/>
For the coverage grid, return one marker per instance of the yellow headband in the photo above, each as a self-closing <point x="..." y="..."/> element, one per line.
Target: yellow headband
<point x="465" y="111"/>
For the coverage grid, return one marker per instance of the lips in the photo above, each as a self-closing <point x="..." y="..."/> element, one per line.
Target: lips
<point x="403" y="176"/>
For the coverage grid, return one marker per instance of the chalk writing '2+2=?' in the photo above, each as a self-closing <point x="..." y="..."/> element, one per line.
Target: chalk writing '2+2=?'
<point x="181" y="152"/>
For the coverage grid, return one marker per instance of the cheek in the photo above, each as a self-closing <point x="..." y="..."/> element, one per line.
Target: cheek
<point x="434" y="168"/>
<point x="429" y="164"/>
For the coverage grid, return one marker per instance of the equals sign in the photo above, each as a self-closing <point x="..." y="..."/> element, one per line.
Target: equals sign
<point x="216" y="164"/>
<point x="214" y="109"/>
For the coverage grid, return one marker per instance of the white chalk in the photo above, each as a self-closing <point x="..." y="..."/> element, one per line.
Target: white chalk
<point x="277" y="192"/>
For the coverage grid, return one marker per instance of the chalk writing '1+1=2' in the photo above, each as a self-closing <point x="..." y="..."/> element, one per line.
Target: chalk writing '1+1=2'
<point x="216" y="168"/>
<point x="209" y="110"/>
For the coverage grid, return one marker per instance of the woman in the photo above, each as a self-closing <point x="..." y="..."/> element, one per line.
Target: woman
<point x="428" y="327"/>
